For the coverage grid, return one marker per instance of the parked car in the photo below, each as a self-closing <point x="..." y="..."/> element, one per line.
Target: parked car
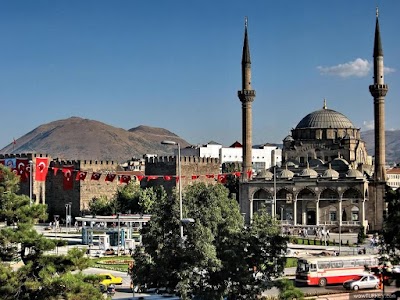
<point x="108" y="279"/>
<point x="362" y="282"/>
<point x="396" y="269"/>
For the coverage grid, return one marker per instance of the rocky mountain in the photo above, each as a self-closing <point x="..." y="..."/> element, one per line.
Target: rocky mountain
<point x="76" y="138"/>
<point x="392" y="144"/>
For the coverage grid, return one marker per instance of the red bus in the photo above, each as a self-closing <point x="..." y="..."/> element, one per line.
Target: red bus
<point x="332" y="269"/>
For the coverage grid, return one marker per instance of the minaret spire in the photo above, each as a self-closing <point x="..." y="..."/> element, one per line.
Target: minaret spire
<point x="378" y="90"/>
<point x="246" y="96"/>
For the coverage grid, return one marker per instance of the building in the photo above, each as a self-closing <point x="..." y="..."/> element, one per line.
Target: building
<point x="262" y="156"/>
<point x="393" y="177"/>
<point x="327" y="177"/>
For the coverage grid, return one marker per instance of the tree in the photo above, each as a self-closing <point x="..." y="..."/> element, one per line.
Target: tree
<point x="128" y="199"/>
<point x="41" y="276"/>
<point x="218" y="255"/>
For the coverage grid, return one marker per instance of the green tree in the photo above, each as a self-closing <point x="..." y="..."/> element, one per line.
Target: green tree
<point x="41" y="276"/>
<point x="287" y="290"/>
<point x="218" y="256"/>
<point x="128" y="199"/>
<point x="102" y="206"/>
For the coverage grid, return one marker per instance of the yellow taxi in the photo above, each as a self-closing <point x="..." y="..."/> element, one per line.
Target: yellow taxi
<point x="108" y="279"/>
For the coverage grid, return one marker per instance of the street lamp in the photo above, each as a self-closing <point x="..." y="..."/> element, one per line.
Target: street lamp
<point x="119" y="228"/>
<point x="281" y="214"/>
<point x="179" y="183"/>
<point x="30" y="181"/>
<point x="274" y="211"/>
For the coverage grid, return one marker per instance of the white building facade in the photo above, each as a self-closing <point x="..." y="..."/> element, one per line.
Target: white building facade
<point x="263" y="157"/>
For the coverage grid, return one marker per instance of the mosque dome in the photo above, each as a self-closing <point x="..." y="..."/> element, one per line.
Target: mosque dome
<point x="267" y="175"/>
<point x="353" y="173"/>
<point x="286" y="174"/>
<point x="311" y="173"/>
<point x="331" y="173"/>
<point x="288" y="138"/>
<point x="325" y="118"/>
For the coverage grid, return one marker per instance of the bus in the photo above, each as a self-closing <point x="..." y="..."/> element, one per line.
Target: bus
<point x="332" y="269"/>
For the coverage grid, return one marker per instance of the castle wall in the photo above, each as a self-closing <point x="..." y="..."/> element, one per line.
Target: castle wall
<point x="190" y="166"/>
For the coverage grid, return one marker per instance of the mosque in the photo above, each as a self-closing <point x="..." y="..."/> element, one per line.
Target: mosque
<point x="326" y="177"/>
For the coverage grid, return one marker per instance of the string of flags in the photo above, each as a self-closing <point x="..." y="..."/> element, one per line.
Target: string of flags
<point x="21" y="167"/>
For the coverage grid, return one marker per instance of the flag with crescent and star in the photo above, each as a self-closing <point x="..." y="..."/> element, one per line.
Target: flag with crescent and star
<point x="68" y="183"/>
<point x="42" y="164"/>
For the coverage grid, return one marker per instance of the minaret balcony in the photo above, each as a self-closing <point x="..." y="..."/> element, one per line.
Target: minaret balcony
<point x="246" y="93"/>
<point x="378" y="90"/>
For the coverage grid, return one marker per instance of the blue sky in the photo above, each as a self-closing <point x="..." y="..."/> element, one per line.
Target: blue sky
<point x="176" y="64"/>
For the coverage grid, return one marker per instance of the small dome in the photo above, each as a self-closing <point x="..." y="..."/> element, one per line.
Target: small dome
<point x="330" y="173"/>
<point x="353" y="173"/>
<point x="286" y="174"/>
<point x="311" y="173"/>
<point x="267" y="175"/>
<point x="325" y="118"/>
<point x="289" y="138"/>
<point x="315" y="162"/>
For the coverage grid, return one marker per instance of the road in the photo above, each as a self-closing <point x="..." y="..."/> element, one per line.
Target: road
<point x="124" y="291"/>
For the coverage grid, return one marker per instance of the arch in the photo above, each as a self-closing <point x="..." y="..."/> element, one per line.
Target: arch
<point x="329" y="194"/>
<point x="262" y="198"/>
<point x="352" y="193"/>
<point x="306" y="194"/>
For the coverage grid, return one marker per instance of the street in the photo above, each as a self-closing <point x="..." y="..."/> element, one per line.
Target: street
<point x="124" y="291"/>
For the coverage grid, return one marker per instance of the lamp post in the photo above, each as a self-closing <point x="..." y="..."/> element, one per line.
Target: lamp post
<point x="281" y="214"/>
<point x="274" y="211"/>
<point x="119" y="227"/>
<point x="66" y="217"/>
<point x="70" y="215"/>
<point x="30" y="181"/>
<point x="179" y="183"/>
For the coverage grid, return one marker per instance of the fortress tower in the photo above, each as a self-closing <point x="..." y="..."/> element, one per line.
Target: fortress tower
<point x="246" y="96"/>
<point x="378" y="90"/>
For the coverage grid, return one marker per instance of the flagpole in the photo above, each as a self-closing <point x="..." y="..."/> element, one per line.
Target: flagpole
<point x="30" y="181"/>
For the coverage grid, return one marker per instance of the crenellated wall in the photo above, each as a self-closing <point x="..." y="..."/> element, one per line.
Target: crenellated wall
<point x="190" y="166"/>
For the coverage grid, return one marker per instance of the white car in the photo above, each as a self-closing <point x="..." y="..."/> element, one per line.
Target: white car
<point x="362" y="282"/>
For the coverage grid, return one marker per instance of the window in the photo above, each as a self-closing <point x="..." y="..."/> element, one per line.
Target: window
<point x="337" y="264"/>
<point x="354" y="213"/>
<point x="324" y="265"/>
<point x="332" y="216"/>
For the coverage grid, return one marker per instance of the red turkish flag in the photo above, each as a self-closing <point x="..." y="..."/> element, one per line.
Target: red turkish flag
<point x="68" y="182"/>
<point x="95" y="176"/>
<point x="195" y="177"/>
<point x="110" y="177"/>
<point x="222" y="178"/>
<point x="237" y="174"/>
<point x="81" y="175"/>
<point x="139" y="177"/>
<point x="249" y="173"/>
<point x="125" y="179"/>
<point x="23" y="169"/>
<point x="42" y="165"/>
<point x="55" y="170"/>
<point x="167" y="178"/>
<point x="151" y="178"/>
<point x="210" y="175"/>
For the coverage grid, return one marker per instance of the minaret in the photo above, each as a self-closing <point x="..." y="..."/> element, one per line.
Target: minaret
<point x="378" y="90"/>
<point x="246" y="96"/>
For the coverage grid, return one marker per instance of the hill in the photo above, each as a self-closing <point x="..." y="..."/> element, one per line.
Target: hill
<point x="392" y="144"/>
<point x="76" y="138"/>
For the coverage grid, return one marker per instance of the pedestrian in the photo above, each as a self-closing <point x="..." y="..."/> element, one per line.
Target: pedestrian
<point x="327" y="233"/>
